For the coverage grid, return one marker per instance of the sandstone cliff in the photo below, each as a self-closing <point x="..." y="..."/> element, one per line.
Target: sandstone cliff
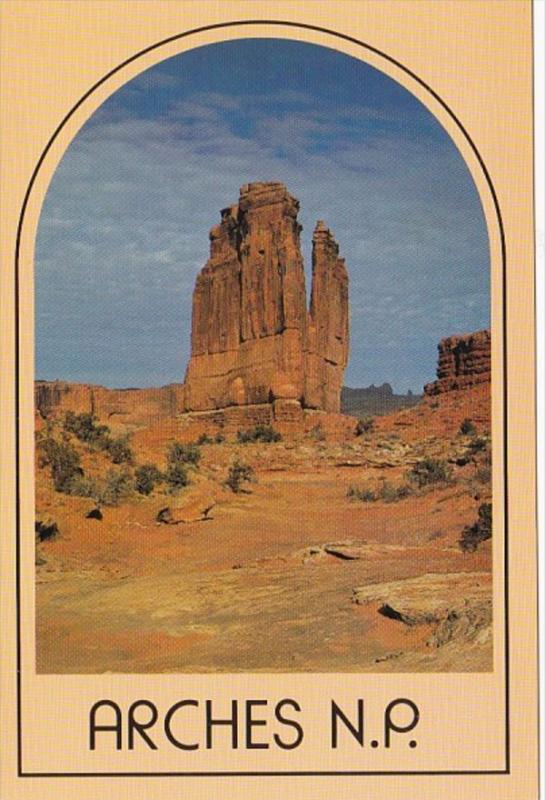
<point x="253" y="340"/>
<point x="464" y="361"/>
<point x="117" y="406"/>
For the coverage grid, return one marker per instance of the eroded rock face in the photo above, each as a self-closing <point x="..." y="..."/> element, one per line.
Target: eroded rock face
<point x="327" y="337"/>
<point x="464" y="361"/>
<point x="124" y="406"/>
<point x="457" y="605"/>
<point x="252" y="339"/>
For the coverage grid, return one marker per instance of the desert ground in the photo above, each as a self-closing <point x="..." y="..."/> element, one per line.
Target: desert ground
<point x="333" y="557"/>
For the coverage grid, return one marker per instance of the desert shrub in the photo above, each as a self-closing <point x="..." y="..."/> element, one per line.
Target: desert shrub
<point x="388" y="492"/>
<point x="84" y="427"/>
<point x="391" y="493"/>
<point x="429" y="471"/>
<point x="467" y="428"/>
<point x="179" y="453"/>
<point x="117" y="485"/>
<point x="64" y="461"/>
<point x="259" y="433"/>
<point x="83" y="486"/>
<point x="204" y="438"/>
<point x="477" y="445"/>
<point x="365" y="425"/>
<point x="119" y="451"/>
<point x="365" y="495"/>
<point x="176" y="475"/>
<point x="480" y="531"/>
<point x="239" y="473"/>
<point x="146" y="477"/>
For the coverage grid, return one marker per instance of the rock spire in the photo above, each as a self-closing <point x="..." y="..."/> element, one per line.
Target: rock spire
<point x="252" y="339"/>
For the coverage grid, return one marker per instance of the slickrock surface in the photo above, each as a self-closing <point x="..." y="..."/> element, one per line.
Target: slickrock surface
<point x="464" y="361"/>
<point x="458" y="605"/>
<point x="252" y="340"/>
<point x="426" y="598"/>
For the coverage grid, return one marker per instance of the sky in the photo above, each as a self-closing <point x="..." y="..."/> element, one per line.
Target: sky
<point x="124" y="226"/>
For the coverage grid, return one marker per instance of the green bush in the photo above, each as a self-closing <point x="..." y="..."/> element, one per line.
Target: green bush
<point x="391" y="493"/>
<point x="204" y="438"/>
<point x="429" y="471"/>
<point x="364" y="495"/>
<point x="179" y="453"/>
<point x="176" y="475"/>
<point x="146" y="477"/>
<point x="260" y="433"/>
<point x="477" y="445"/>
<point x="84" y="486"/>
<point x="388" y="492"/>
<point x="119" y="450"/>
<point x="467" y="428"/>
<point x="117" y="485"/>
<point x="239" y="473"/>
<point x="64" y="461"/>
<point x="84" y="427"/>
<point x="480" y="531"/>
<point x="365" y="425"/>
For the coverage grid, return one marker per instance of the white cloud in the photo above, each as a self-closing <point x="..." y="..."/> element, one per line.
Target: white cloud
<point x="124" y="233"/>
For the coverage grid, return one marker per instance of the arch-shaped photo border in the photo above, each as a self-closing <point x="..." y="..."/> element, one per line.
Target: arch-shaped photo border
<point x="47" y="162"/>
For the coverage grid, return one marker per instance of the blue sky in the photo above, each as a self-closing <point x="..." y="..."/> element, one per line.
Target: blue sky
<point x="124" y="227"/>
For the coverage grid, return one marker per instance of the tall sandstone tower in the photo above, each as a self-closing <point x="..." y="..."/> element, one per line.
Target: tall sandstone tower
<point x="252" y="339"/>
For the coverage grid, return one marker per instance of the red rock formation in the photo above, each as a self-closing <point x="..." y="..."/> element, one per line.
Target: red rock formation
<point x="464" y="361"/>
<point x="252" y="340"/>
<point x="122" y="407"/>
<point x="327" y="338"/>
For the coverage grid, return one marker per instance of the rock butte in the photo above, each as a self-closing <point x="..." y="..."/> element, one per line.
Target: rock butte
<point x="253" y="341"/>
<point x="464" y="362"/>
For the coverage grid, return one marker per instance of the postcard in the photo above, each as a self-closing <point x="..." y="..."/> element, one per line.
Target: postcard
<point x="269" y="381"/>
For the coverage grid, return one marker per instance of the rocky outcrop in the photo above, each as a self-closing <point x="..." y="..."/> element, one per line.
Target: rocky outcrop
<point x="123" y="406"/>
<point x="252" y="340"/>
<point x="457" y="605"/>
<point x="464" y="362"/>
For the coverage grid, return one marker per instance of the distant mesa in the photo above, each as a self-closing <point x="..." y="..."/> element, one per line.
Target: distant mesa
<point x="463" y="362"/>
<point x="253" y="340"/>
<point x="375" y="400"/>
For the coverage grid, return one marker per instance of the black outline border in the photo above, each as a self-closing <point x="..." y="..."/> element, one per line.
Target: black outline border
<point x="351" y="39"/>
